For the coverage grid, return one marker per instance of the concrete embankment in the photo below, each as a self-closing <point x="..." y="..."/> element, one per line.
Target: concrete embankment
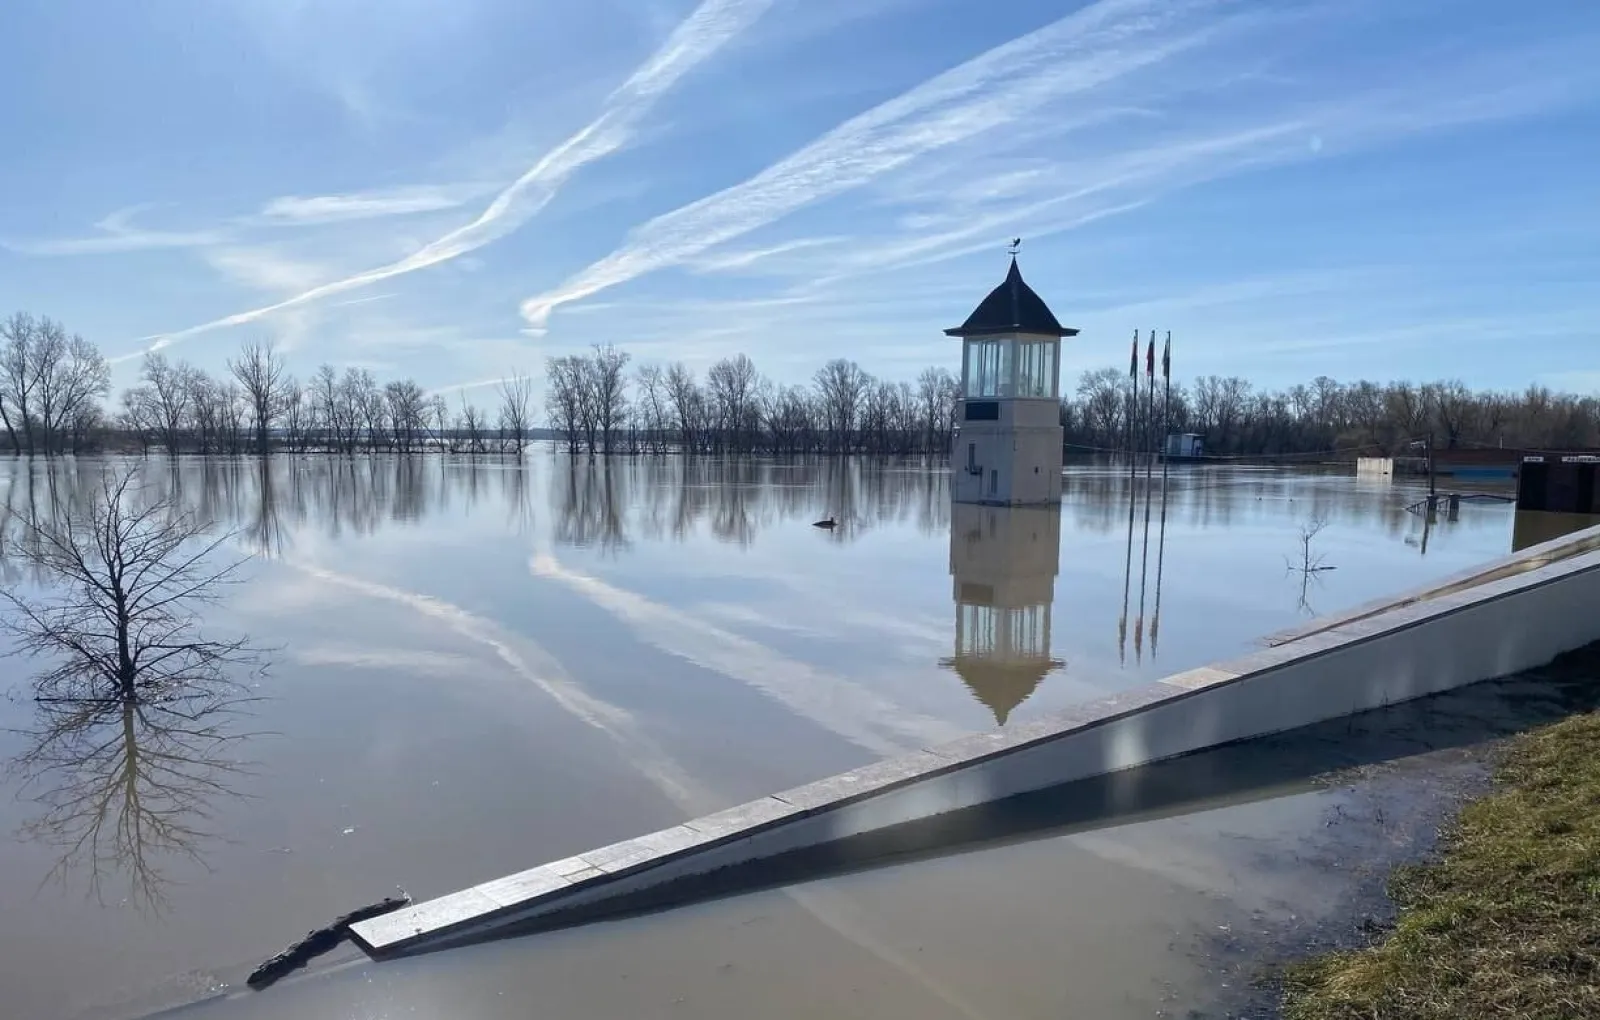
<point x="1510" y="616"/>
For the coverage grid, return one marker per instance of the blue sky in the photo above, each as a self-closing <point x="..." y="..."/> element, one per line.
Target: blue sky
<point x="456" y="189"/>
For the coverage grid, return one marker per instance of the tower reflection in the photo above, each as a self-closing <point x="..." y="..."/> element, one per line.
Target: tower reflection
<point x="1003" y="565"/>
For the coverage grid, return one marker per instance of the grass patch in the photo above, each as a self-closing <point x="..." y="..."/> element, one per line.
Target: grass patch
<point x="1505" y="923"/>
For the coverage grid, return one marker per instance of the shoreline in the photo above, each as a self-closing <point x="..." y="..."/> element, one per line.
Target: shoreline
<point x="1500" y="921"/>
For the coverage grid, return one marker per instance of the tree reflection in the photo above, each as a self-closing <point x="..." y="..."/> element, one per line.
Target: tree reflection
<point x="129" y="788"/>
<point x="133" y="738"/>
<point x="602" y="503"/>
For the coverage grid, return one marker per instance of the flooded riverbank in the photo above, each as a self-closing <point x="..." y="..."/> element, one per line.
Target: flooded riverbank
<point x="478" y="666"/>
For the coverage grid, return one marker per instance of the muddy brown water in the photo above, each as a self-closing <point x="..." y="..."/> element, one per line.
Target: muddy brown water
<point x="475" y="667"/>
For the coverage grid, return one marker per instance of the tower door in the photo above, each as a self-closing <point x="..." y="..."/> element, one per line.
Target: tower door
<point x="994" y="481"/>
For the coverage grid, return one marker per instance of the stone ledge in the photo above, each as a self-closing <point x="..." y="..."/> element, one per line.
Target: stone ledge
<point x="853" y="801"/>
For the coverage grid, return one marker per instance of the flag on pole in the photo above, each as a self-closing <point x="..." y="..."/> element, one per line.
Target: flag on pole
<point x="1150" y="357"/>
<point x="1133" y="361"/>
<point x="1166" y="357"/>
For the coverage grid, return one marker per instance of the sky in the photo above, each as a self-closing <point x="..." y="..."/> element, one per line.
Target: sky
<point x="456" y="190"/>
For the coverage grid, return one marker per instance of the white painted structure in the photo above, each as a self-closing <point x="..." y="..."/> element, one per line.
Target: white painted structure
<point x="1003" y="566"/>
<point x="1372" y="466"/>
<point x="1511" y="616"/>
<point x="1008" y="449"/>
<point x="1185" y="444"/>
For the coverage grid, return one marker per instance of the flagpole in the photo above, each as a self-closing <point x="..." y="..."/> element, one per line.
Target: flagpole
<point x="1161" y="542"/>
<point x="1149" y="471"/>
<point x="1133" y="462"/>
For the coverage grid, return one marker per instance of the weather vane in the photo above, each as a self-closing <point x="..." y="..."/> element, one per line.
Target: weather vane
<point x="1016" y="246"/>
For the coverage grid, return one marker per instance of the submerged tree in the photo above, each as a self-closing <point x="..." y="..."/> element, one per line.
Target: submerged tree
<point x="121" y="623"/>
<point x="133" y="740"/>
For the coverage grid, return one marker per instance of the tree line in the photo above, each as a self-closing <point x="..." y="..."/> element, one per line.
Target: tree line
<point x="596" y="405"/>
<point x="53" y="388"/>
<point x="1325" y="416"/>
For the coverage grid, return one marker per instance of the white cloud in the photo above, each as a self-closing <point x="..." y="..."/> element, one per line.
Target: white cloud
<point x="1105" y="41"/>
<point x="265" y="269"/>
<point x="711" y="25"/>
<point x="117" y="234"/>
<point x="293" y="210"/>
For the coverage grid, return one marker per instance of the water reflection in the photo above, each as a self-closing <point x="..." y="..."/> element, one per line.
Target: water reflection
<point x="1003" y="565"/>
<point x="129" y="789"/>
<point x="607" y="503"/>
<point x="133" y="735"/>
<point x="1150" y="498"/>
<point x="1530" y="527"/>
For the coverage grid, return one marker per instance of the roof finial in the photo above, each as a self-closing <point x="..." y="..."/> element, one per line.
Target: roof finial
<point x="1016" y="246"/>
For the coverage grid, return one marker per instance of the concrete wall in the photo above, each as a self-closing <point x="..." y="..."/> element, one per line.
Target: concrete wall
<point x="1528" y="611"/>
<point x="1025" y="462"/>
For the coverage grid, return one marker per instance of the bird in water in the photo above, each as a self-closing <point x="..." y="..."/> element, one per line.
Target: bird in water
<point x="826" y="522"/>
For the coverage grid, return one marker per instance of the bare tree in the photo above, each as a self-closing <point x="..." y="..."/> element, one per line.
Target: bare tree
<point x="1309" y="562"/>
<point x="652" y="402"/>
<point x="608" y="391"/>
<point x="688" y="405"/>
<point x="565" y="376"/>
<point x="407" y="408"/>
<point x="261" y="373"/>
<point x="170" y="393"/>
<point x="297" y="416"/>
<point x="122" y="624"/>
<point x="516" y="398"/>
<point x="70" y="375"/>
<point x="19" y="378"/>
<point x="471" y="426"/>
<point x="841" y="385"/>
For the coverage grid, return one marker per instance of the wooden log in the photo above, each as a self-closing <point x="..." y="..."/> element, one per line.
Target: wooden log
<point x="319" y="941"/>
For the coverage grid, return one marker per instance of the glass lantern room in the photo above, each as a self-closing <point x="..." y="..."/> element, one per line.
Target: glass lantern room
<point x="1011" y="344"/>
<point x="1010" y="367"/>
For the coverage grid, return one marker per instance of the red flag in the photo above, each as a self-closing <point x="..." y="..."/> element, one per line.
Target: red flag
<point x="1133" y="361"/>
<point x="1150" y="356"/>
<point x="1166" y="357"/>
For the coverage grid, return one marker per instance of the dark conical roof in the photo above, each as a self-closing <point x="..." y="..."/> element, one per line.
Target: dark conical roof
<point x="1001" y="685"/>
<point x="1012" y="307"/>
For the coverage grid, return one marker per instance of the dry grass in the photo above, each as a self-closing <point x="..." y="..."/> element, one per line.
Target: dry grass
<point x="1506" y="922"/>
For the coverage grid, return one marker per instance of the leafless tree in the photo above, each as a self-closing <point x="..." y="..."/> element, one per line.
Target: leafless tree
<point x="72" y="374"/>
<point x="732" y="385"/>
<point x="471" y="426"/>
<point x="122" y="622"/>
<point x="516" y="398"/>
<point x="18" y="378"/>
<point x="688" y="405"/>
<point x="440" y="413"/>
<point x="47" y="378"/>
<point x="565" y="376"/>
<point x="1308" y="562"/>
<point x="297" y="416"/>
<point x="169" y="392"/>
<point x="841" y="385"/>
<point x="652" y="405"/>
<point x="609" y="391"/>
<point x="260" y="371"/>
<point x="407" y="408"/>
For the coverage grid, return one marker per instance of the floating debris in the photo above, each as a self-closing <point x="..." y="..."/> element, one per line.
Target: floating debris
<point x="320" y="941"/>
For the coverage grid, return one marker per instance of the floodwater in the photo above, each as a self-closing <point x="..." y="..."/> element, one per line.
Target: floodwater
<point x="473" y="667"/>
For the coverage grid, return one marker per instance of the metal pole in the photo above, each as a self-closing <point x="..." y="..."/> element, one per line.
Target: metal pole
<point x="1430" y="468"/>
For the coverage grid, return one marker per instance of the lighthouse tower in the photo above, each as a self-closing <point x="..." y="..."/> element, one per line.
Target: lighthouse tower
<point x="1003" y="564"/>
<point x="1008" y="450"/>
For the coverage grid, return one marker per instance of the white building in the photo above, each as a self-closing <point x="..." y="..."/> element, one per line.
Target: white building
<point x="1008" y="450"/>
<point x="1003" y="564"/>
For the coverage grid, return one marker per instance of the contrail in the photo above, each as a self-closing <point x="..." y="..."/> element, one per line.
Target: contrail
<point x="1103" y="42"/>
<point x="696" y="39"/>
